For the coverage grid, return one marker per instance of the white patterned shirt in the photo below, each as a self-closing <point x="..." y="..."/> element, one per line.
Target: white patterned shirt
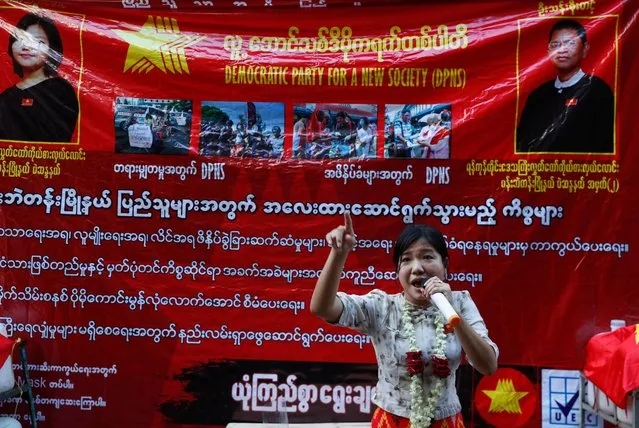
<point x="379" y="315"/>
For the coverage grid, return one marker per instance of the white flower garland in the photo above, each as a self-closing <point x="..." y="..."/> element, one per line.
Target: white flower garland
<point x="422" y="409"/>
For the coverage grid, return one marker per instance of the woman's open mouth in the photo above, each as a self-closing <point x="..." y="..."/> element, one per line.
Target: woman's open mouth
<point x="418" y="282"/>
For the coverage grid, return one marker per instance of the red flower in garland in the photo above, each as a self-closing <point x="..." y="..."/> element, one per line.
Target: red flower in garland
<point x="440" y="367"/>
<point x="415" y="362"/>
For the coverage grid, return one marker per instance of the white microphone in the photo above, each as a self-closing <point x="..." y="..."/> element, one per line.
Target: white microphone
<point x="444" y="306"/>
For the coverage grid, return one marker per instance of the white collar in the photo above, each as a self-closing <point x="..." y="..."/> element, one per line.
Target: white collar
<point x="570" y="82"/>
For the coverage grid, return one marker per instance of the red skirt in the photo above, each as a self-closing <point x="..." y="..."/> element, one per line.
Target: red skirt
<point x="384" y="419"/>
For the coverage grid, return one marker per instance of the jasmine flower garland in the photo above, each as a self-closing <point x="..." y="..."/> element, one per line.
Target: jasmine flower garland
<point x="422" y="408"/>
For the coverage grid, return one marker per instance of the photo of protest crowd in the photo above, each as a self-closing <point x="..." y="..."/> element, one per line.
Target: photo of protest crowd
<point x="418" y="131"/>
<point x="152" y="126"/>
<point x="335" y="131"/>
<point x="242" y="129"/>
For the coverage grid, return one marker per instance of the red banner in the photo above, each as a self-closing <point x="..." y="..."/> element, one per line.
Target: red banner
<point x="169" y="170"/>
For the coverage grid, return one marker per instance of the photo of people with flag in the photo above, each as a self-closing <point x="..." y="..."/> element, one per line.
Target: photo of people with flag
<point x="335" y="131"/>
<point x="242" y="129"/>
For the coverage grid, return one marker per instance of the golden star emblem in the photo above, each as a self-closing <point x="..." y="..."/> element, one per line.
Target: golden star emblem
<point x="504" y="398"/>
<point x="637" y="334"/>
<point x="158" y="43"/>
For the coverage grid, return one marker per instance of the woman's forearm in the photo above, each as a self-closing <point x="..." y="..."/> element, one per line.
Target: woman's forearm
<point x="324" y="302"/>
<point x="477" y="350"/>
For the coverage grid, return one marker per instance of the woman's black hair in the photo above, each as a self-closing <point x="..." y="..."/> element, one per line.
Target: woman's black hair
<point x="415" y="232"/>
<point x="54" y="56"/>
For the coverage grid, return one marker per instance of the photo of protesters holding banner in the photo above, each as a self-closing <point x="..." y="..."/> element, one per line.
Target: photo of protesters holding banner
<point x="41" y="106"/>
<point x="152" y="126"/>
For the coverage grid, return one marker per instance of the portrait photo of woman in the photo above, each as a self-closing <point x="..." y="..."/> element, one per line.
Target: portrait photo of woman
<point x="41" y="106"/>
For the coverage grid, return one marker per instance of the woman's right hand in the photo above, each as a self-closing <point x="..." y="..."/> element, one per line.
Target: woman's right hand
<point x="342" y="239"/>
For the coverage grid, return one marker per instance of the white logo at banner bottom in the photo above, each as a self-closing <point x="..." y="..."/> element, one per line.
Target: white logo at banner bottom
<point x="560" y="401"/>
